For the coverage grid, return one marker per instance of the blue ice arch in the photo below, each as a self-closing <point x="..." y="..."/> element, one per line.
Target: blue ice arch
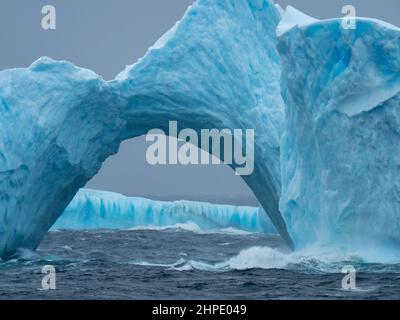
<point x="323" y="102"/>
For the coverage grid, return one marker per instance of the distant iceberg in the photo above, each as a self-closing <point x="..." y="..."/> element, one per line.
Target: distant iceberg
<point x="92" y="209"/>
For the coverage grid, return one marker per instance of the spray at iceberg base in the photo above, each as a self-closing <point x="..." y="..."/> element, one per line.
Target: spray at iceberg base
<point x="326" y="139"/>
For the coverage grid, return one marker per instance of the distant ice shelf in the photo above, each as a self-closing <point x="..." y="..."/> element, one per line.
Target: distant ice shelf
<point x="93" y="209"/>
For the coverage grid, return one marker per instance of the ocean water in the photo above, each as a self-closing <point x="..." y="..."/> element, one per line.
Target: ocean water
<point x="182" y="262"/>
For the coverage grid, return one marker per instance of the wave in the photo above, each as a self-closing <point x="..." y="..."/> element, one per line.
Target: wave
<point x="27" y="257"/>
<point x="163" y="265"/>
<point x="312" y="260"/>
<point x="192" y="227"/>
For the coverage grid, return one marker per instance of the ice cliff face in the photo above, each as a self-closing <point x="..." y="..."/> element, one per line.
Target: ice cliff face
<point x="92" y="209"/>
<point x="217" y="68"/>
<point x="340" y="164"/>
<point x="50" y="118"/>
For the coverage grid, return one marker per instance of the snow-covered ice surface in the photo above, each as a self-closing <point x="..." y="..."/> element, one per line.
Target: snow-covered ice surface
<point x="326" y="120"/>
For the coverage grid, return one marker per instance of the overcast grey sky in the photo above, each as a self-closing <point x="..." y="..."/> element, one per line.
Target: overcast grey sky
<point x="106" y="35"/>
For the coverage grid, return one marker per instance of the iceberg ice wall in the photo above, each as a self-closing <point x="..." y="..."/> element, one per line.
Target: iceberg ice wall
<point x="50" y="118"/>
<point x="217" y="68"/>
<point x="340" y="150"/>
<point x="92" y="209"/>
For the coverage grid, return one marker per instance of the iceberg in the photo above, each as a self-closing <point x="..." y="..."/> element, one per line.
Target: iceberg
<point x="92" y="209"/>
<point x="339" y="155"/>
<point x="59" y="122"/>
<point x="323" y="102"/>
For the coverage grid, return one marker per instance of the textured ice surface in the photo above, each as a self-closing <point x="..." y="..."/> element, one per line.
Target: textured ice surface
<point x="340" y="151"/>
<point x="50" y="118"/>
<point x="217" y="68"/>
<point x="208" y="76"/>
<point x="92" y="209"/>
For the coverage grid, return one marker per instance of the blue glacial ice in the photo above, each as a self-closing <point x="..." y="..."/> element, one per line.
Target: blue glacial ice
<point x="323" y="102"/>
<point x="60" y="122"/>
<point x="92" y="209"/>
<point x="340" y="150"/>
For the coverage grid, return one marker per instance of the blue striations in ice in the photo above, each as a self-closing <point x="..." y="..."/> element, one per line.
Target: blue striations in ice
<point x="92" y="209"/>
<point x="217" y="68"/>
<point x="341" y="146"/>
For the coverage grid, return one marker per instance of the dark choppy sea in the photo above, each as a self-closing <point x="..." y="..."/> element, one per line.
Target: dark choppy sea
<point x="181" y="264"/>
